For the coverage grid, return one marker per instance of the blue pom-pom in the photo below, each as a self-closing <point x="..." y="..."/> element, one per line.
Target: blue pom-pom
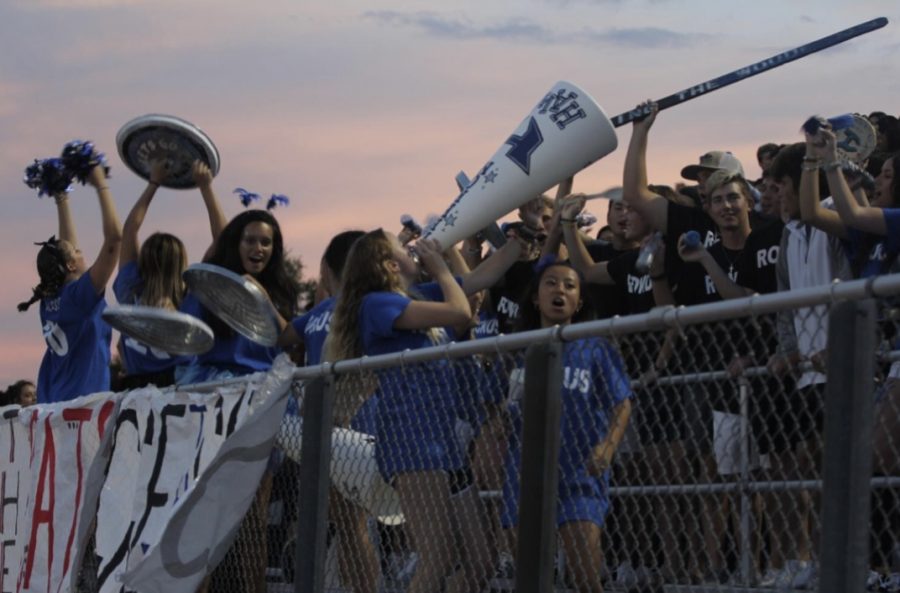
<point x="49" y="177"/>
<point x="80" y="157"/>
<point x="277" y="200"/>
<point x="246" y="197"/>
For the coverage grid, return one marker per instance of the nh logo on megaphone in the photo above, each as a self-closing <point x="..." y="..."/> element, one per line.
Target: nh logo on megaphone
<point x="565" y="132"/>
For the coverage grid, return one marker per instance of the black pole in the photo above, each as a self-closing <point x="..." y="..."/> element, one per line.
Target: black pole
<point x="847" y="459"/>
<point x="315" y="481"/>
<point x="754" y="69"/>
<point x="536" y="543"/>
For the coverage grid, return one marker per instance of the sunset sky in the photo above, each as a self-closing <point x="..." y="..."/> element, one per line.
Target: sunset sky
<point x="363" y="111"/>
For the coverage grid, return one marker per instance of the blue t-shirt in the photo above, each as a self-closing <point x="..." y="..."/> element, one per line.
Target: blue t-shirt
<point x="417" y="405"/>
<point x="234" y="353"/>
<point x="77" y="359"/>
<point x="313" y="326"/>
<point x="889" y="245"/>
<point x="594" y="383"/>
<point x="140" y="358"/>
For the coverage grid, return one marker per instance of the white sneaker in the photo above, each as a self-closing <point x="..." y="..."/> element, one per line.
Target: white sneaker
<point x="806" y="576"/>
<point x="890" y="583"/>
<point x="873" y="581"/>
<point x="626" y="577"/>
<point x="770" y="577"/>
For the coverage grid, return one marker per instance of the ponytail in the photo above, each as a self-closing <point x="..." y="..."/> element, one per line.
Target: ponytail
<point x="52" y="269"/>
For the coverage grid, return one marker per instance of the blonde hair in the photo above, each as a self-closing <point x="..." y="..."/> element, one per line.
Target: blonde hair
<point x="722" y="177"/>
<point x="161" y="263"/>
<point x="364" y="272"/>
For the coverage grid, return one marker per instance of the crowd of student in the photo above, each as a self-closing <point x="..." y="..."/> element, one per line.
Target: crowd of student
<point x="378" y="294"/>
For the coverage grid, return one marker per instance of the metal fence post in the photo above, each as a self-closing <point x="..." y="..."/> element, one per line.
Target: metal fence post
<point x="315" y="481"/>
<point x="536" y="544"/>
<point x="847" y="458"/>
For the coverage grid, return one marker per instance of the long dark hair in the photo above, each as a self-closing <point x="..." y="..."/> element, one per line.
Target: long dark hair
<point x="274" y="278"/>
<point x="530" y="314"/>
<point x="52" y="269"/>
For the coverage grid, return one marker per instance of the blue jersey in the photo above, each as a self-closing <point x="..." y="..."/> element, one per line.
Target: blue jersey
<point x="77" y="359"/>
<point x="139" y="358"/>
<point x="594" y="383"/>
<point x="887" y="247"/>
<point x="232" y="355"/>
<point x="417" y="407"/>
<point x="313" y="326"/>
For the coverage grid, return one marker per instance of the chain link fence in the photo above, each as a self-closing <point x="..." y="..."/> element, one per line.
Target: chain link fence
<point x="744" y="445"/>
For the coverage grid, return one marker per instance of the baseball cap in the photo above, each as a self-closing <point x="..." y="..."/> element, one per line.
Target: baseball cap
<point x="714" y="160"/>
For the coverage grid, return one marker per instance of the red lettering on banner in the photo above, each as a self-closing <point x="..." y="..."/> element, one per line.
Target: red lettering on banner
<point x="40" y="515"/>
<point x="105" y="412"/>
<point x="79" y="415"/>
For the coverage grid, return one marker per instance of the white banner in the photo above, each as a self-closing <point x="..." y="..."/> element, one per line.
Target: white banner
<point x="163" y="451"/>
<point x="204" y="521"/>
<point x="15" y="478"/>
<point x="69" y="446"/>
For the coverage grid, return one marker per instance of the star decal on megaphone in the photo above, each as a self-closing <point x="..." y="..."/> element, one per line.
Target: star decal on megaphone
<point x="522" y="147"/>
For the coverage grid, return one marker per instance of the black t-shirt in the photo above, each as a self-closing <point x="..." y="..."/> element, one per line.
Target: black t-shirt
<point x="636" y="288"/>
<point x="689" y="287"/>
<point x="506" y="294"/>
<point x="756" y="265"/>
<point x="607" y="301"/>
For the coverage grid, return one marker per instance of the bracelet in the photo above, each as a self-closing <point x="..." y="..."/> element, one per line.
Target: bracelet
<point x="658" y="277"/>
<point x="810" y="159"/>
<point x="831" y="166"/>
<point x="568" y="220"/>
<point x="806" y="167"/>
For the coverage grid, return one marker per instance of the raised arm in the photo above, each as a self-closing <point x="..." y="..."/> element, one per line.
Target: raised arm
<point x="553" y="243"/>
<point x="130" y="243"/>
<point x="653" y="208"/>
<point x="105" y="264"/>
<point x="456" y="262"/>
<point x="203" y="178"/>
<point x="811" y="209"/>
<point x="454" y="310"/>
<point x="863" y="218"/>
<point x="578" y="253"/>
<point x="64" y="216"/>
<point x="491" y="270"/>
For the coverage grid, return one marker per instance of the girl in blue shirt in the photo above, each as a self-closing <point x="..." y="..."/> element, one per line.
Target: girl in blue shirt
<point x="416" y="448"/>
<point x="596" y="406"/>
<point x="150" y="274"/>
<point x="251" y="245"/>
<point x="308" y="332"/>
<point x="71" y="294"/>
<point x="874" y="233"/>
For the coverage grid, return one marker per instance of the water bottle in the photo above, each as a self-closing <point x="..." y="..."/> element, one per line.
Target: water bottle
<point x="691" y="240"/>
<point x="645" y="256"/>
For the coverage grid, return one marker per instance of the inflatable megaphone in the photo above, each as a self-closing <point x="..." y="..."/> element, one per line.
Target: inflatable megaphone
<point x="564" y="133"/>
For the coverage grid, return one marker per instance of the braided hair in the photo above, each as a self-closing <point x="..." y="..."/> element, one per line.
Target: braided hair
<point x="52" y="268"/>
